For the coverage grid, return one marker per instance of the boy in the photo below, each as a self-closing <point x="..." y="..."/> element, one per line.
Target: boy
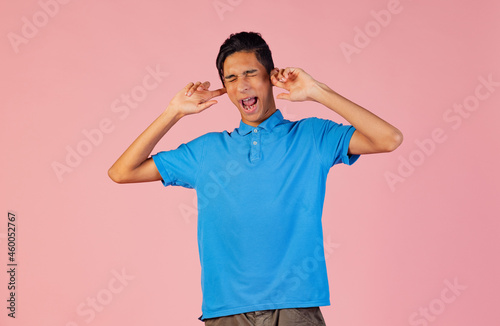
<point x="261" y="187"/>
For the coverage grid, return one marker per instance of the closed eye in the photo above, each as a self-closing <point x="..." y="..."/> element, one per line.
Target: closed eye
<point x="248" y="73"/>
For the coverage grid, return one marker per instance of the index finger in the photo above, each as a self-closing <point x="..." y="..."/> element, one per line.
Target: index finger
<point x="218" y="92"/>
<point x="288" y="71"/>
<point x="277" y="83"/>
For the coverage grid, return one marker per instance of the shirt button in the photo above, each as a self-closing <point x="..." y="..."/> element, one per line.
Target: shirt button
<point x="255" y="130"/>
<point x="255" y="143"/>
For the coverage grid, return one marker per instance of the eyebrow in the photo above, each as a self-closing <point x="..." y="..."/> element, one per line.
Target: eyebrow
<point x="250" y="71"/>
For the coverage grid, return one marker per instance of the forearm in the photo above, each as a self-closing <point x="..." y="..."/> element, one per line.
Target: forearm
<point x="380" y="133"/>
<point x="135" y="165"/>
<point x="139" y="151"/>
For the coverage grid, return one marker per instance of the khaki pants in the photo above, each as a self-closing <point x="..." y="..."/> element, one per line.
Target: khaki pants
<point x="279" y="317"/>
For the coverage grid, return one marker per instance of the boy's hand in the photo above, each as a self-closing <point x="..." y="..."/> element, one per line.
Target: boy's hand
<point x="194" y="98"/>
<point x="300" y="85"/>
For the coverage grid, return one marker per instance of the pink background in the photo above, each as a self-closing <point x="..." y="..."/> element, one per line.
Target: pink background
<point x="397" y="244"/>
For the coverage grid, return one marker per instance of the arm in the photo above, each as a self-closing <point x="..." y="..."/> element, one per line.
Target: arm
<point x="135" y="164"/>
<point x="372" y="135"/>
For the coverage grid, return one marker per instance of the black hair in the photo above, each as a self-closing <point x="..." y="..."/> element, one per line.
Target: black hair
<point x="245" y="42"/>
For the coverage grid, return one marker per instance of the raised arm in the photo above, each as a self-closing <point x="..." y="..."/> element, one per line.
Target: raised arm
<point x="135" y="164"/>
<point x="372" y="135"/>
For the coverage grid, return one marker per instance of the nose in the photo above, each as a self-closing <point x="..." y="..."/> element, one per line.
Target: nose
<point x="243" y="84"/>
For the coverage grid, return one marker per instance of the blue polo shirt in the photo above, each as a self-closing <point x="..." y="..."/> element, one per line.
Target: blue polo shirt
<point x="260" y="193"/>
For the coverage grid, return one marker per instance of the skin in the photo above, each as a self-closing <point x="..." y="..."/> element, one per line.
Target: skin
<point x="245" y="76"/>
<point x="372" y="135"/>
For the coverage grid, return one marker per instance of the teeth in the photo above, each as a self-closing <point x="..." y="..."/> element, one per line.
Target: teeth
<point x="245" y="102"/>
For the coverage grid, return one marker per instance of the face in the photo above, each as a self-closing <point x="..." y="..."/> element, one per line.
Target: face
<point x="249" y="87"/>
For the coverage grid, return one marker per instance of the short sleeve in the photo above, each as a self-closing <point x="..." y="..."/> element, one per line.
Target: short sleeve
<point x="332" y="141"/>
<point x="180" y="167"/>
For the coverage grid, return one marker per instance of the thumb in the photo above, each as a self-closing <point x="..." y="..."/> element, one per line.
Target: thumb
<point x="206" y="105"/>
<point x="283" y="96"/>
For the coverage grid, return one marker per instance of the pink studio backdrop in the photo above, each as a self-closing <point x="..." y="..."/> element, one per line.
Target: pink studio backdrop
<point x="412" y="236"/>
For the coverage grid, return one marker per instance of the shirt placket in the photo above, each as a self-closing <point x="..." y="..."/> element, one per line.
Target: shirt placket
<point x="255" y="144"/>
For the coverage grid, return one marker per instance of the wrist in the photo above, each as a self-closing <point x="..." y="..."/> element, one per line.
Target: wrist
<point x="319" y="92"/>
<point x="173" y="113"/>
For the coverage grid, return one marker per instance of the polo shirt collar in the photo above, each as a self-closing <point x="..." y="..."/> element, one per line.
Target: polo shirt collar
<point x="268" y="124"/>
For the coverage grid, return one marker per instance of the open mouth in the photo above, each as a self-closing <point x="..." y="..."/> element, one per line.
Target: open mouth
<point x="249" y="103"/>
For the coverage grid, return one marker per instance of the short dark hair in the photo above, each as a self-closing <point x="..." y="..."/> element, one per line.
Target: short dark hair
<point x="245" y="42"/>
